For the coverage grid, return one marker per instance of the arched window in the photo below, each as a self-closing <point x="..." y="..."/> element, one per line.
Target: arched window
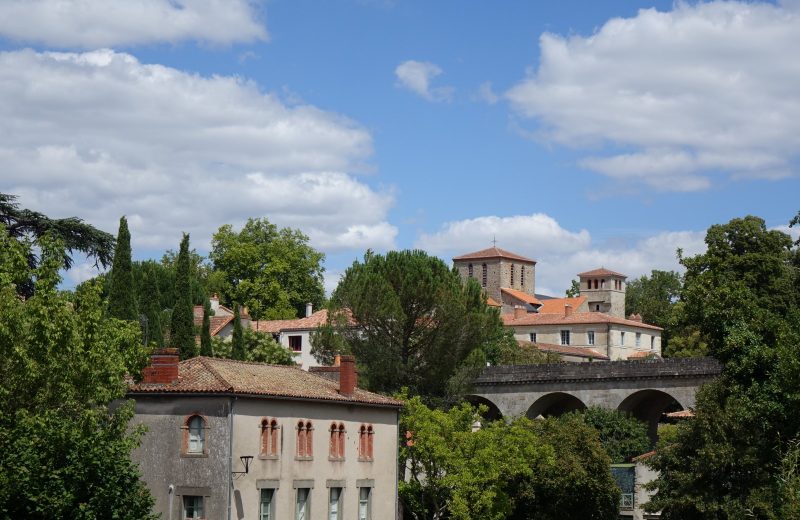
<point x="336" y="449"/>
<point x="484" y="276"/>
<point x="469" y="269"/>
<point x="365" y="442"/>
<point x="603" y="283"/>
<point x="305" y="439"/>
<point x="194" y="435"/>
<point x="370" y="442"/>
<point x="269" y="438"/>
<point x="512" y="275"/>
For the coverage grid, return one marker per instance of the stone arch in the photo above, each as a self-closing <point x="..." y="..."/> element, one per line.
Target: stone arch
<point x="648" y="406"/>
<point x="492" y="414"/>
<point x="554" y="404"/>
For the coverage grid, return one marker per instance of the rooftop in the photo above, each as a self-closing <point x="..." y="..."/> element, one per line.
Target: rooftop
<point x="494" y="252"/>
<point x="521" y="295"/>
<point x="567" y="350"/>
<point x="206" y="375"/>
<point x="308" y="323"/>
<point x="602" y="272"/>
<point x="576" y="318"/>
<point x="556" y="305"/>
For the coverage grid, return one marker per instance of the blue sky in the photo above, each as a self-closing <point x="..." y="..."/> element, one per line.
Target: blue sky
<point x="579" y="133"/>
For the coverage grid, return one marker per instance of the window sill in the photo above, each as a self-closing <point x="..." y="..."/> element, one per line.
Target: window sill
<point x="336" y="459"/>
<point x="268" y="457"/>
<point x="303" y="458"/>
<point x="194" y="455"/>
<point x="365" y="459"/>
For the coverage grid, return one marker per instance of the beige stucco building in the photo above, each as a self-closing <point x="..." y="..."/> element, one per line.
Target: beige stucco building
<point x="232" y="440"/>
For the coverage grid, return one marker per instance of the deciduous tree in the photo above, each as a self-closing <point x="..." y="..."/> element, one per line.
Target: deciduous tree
<point x="622" y="436"/>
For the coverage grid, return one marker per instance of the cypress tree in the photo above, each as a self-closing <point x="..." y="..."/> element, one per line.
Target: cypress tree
<point x="237" y="349"/>
<point x="151" y="307"/>
<point x="121" y="296"/>
<point x="182" y="326"/>
<point x="205" y="333"/>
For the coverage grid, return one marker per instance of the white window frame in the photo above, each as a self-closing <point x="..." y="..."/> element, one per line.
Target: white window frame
<point x="565" y="333"/>
<point x="335" y="508"/>
<point x="638" y="339"/>
<point x="270" y="512"/>
<point x="590" y="338"/>
<point x="365" y="503"/>
<point x="652" y="342"/>
<point x="305" y="503"/>
<point x="197" y="500"/>
<point x="196" y="440"/>
<point x="622" y="338"/>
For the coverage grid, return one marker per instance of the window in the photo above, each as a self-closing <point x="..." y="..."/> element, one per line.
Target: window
<point x="365" y="442"/>
<point x="652" y="342"/>
<point x="484" y="276"/>
<point x="364" y="503"/>
<point x="270" y="438"/>
<point x="296" y="343"/>
<point x="302" y="507"/>
<point x="590" y="337"/>
<point x="336" y="448"/>
<point x="533" y="337"/>
<point x="305" y="440"/>
<point x="595" y="284"/>
<point x="638" y="339"/>
<point x="603" y="283"/>
<point x="565" y="337"/>
<point x="334" y="504"/>
<point x="266" y="508"/>
<point x="194" y="435"/>
<point x="469" y="270"/>
<point x="597" y="308"/>
<point x="512" y="276"/>
<point x="522" y="276"/>
<point x="192" y="507"/>
<point x="622" y="338"/>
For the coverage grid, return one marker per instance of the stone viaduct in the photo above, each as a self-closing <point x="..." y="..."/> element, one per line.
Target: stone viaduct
<point x="646" y="388"/>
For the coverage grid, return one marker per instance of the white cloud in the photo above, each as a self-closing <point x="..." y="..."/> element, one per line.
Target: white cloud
<point x="561" y="253"/>
<point x="673" y="98"/>
<point x="92" y="24"/>
<point x="416" y="76"/>
<point x="487" y="94"/>
<point x="99" y="135"/>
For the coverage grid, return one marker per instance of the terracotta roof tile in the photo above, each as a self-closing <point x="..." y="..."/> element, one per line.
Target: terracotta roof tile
<point x="577" y="318"/>
<point x="308" y="323"/>
<point x="216" y="375"/>
<point x="556" y="305"/>
<point x="521" y="295"/>
<point x="682" y="414"/>
<point x="642" y="354"/>
<point x="566" y="350"/>
<point x="217" y="322"/>
<point x="602" y="272"/>
<point x="494" y="252"/>
<point x="491" y="302"/>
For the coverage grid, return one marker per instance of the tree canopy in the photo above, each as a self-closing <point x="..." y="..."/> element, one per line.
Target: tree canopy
<point x="417" y="323"/>
<point x="654" y="297"/>
<point x="622" y="436"/>
<point x="273" y="272"/>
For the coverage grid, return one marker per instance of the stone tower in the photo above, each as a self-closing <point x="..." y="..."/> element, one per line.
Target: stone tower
<point x="604" y="291"/>
<point x="496" y="269"/>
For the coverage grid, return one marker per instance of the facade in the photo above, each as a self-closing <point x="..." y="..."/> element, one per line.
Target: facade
<point x="222" y="319"/>
<point x="230" y="440"/>
<point x="295" y="334"/>
<point x="594" y="322"/>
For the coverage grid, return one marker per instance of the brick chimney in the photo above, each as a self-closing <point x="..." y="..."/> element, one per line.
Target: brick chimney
<point x="567" y="310"/>
<point x="348" y="377"/>
<point x="163" y="367"/>
<point x="519" y="312"/>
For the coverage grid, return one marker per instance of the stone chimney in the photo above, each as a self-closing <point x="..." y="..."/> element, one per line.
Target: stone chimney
<point x="309" y="309"/>
<point x="163" y="367"/>
<point x="635" y="317"/>
<point x="519" y="312"/>
<point x="348" y="377"/>
<point x="567" y="310"/>
<point x="214" y="302"/>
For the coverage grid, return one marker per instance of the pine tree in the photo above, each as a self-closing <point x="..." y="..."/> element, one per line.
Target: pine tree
<point x="205" y="333"/>
<point x="121" y="296"/>
<point x="237" y="349"/>
<point x="182" y="325"/>
<point x="151" y="308"/>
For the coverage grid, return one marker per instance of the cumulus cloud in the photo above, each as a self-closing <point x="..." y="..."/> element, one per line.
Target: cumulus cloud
<point x="416" y="76"/>
<point x="561" y="253"/>
<point x="100" y="134"/>
<point x="672" y="99"/>
<point x="91" y="24"/>
<point x="487" y="94"/>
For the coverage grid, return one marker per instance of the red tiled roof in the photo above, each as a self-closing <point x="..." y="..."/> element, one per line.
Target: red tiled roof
<point x="556" y="305"/>
<point x="602" y="272"/>
<point x="576" y="318"/>
<point x="566" y="350"/>
<point x="642" y="354"/>
<point x="491" y="302"/>
<point x="682" y="414"/>
<point x="307" y="323"/>
<point x="215" y="375"/>
<point x="522" y="296"/>
<point x="217" y="322"/>
<point x="494" y="252"/>
<point x="644" y="456"/>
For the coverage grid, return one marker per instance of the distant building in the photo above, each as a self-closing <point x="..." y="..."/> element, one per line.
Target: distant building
<point x="590" y="326"/>
<point x="232" y="439"/>
<point x="221" y="320"/>
<point x="295" y="334"/>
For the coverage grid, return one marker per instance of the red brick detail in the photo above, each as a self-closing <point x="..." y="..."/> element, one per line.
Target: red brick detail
<point x="365" y="442"/>
<point x="305" y="439"/>
<point x="163" y="367"/>
<point x="185" y="439"/>
<point x="337" y="442"/>
<point x="348" y="378"/>
<point x="270" y="437"/>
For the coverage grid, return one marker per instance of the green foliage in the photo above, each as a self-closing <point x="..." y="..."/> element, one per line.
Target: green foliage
<point x="455" y="472"/>
<point x="13" y="260"/>
<point x="64" y="451"/>
<point x="271" y="271"/>
<point x="29" y="226"/>
<point x="149" y="302"/>
<point x="205" y="332"/>
<point x="237" y="339"/>
<point x="182" y="326"/>
<point x="574" y="289"/>
<point x="578" y="484"/>
<point x="258" y="347"/>
<point x="654" y="297"/>
<point x="622" y="436"/>
<point x="688" y="343"/>
<point x="417" y="323"/>
<point x="525" y="353"/>
<point x="121" y="294"/>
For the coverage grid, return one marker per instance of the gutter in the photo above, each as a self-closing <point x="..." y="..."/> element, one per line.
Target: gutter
<point x="232" y="395"/>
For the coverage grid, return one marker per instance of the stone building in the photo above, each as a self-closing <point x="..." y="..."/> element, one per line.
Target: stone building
<point x="230" y="440"/>
<point x="509" y="279"/>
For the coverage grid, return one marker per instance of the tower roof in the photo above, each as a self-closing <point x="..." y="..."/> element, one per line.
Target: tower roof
<point x="494" y="252"/>
<point x="602" y="272"/>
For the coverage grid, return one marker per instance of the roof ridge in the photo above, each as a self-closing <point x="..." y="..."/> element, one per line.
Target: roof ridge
<point x="244" y="362"/>
<point x="213" y="371"/>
